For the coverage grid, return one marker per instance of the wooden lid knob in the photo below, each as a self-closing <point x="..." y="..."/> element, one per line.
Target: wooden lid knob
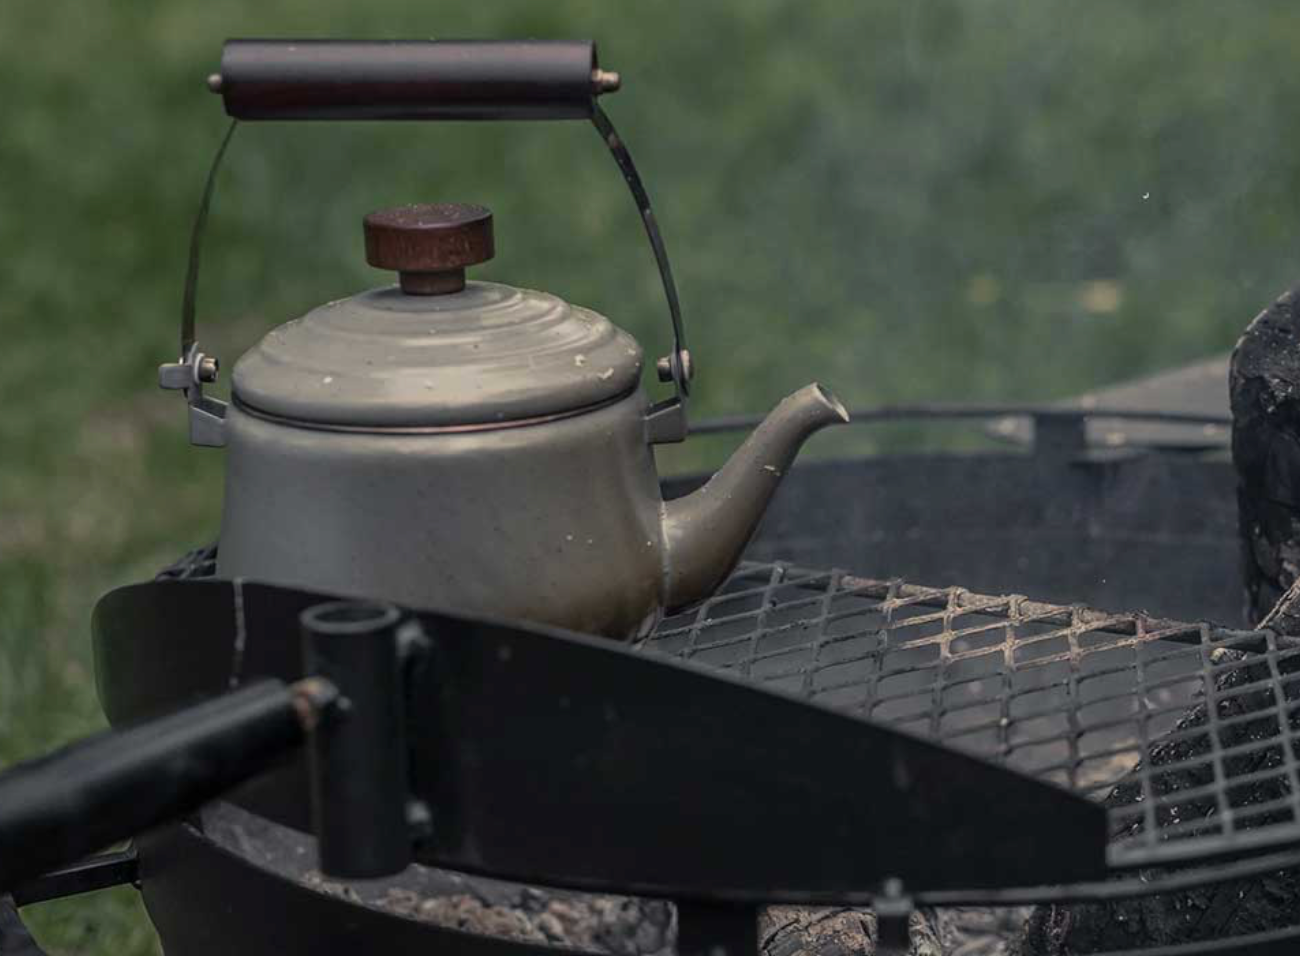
<point x="429" y="245"/>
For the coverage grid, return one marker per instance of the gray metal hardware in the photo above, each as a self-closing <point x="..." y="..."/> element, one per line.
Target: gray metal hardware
<point x="669" y="367"/>
<point x="207" y="415"/>
<point x="666" y="423"/>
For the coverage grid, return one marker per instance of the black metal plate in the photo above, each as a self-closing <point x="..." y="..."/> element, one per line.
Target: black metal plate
<point x="551" y="757"/>
<point x="562" y="759"/>
<point x="1185" y="732"/>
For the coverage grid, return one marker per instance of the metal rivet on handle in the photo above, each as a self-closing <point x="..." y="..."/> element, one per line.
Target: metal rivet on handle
<point x="664" y="367"/>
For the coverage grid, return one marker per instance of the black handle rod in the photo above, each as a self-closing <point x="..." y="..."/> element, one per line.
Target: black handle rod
<point x="60" y="807"/>
<point x="410" y="79"/>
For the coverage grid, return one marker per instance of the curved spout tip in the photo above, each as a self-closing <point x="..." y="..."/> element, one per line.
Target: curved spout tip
<point x="834" y="406"/>
<point x="795" y="419"/>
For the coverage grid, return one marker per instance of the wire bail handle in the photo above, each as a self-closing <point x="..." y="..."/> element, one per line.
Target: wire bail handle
<point x="423" y="80"/>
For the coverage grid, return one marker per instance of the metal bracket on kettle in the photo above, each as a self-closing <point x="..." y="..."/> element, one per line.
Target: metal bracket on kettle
<point x="416" y="79"/>
<point x="207" y="414"/>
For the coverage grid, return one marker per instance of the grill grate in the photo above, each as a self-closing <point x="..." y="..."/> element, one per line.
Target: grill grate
<point x="1185" y="731"/>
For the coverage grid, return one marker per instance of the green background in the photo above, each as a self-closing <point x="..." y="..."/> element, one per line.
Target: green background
<point x="907" y="200"/>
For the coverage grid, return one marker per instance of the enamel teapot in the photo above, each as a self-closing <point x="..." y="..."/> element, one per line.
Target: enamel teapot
<point x="448" y="443"/>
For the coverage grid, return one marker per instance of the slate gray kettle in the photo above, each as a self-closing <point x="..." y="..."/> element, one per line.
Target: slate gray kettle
<point x="470" y="445"/>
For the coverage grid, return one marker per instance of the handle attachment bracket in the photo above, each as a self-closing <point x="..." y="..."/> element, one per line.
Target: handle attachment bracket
<point x="207" y="414"/>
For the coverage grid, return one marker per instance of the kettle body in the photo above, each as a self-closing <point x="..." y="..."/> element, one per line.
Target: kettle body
<point x="557" y="521"/>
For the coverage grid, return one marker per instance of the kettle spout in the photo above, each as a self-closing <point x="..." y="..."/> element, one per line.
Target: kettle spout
<point x="705" y="531"/>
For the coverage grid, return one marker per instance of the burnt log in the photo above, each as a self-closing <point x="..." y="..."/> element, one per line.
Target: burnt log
<point x="1264" y="390"/>
<point x="837" y="931"/>
<point x="1214" y="912"/>
<point x="1285" y="616"/>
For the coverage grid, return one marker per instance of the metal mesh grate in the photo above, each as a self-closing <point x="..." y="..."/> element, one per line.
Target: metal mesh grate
<point x="1185" y="731"/>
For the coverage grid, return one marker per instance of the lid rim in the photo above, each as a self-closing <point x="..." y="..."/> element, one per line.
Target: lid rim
<point x="464" y="428"/>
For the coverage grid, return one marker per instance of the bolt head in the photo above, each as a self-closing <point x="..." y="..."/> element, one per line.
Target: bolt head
<point x="664" y="367"/>
<point x="605" y="81"/>
<point x="207" y="369"/>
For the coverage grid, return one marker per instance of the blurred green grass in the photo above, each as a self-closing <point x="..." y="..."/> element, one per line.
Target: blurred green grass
<point x="907" y="200"/>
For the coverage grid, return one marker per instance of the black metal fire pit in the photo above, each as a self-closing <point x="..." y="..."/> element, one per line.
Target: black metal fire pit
<point x="1180" y="731"/>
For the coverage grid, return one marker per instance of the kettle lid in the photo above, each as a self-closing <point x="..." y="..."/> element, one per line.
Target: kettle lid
<point x="435" y="350"/>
